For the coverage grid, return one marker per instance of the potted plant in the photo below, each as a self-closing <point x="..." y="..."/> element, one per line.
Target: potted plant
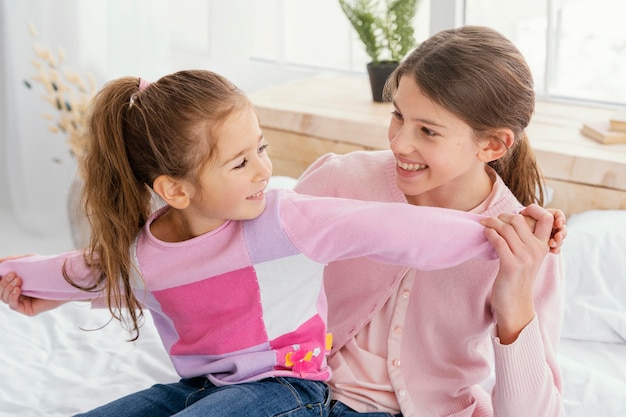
<point x="386" y="29"/>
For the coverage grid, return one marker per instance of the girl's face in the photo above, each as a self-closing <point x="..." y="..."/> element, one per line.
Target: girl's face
<point x="232" y="184"/>
<point x="437" y="156"/>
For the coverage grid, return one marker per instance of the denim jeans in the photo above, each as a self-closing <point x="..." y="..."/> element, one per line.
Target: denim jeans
<point x="339" y="409"/>
<point x="271" y="397"/>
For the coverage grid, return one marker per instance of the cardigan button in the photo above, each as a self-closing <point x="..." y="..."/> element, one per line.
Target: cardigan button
<point x="402" y="392"/>
<point x="396" y="363"/>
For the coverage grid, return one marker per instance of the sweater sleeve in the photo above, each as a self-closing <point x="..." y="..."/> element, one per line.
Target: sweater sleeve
<point x="42" y="276"/>
<point x="328" y="229"/>
<point x="528" y="380"/>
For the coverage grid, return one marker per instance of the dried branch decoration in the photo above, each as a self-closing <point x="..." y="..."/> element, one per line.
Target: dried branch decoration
<point x="66" y="91"/>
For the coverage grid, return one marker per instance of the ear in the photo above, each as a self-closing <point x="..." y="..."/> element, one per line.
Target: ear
<point x="496" y="145"/>
<point x="174" y="192"/>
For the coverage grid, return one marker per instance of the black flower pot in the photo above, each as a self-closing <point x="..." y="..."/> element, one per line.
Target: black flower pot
<point x="378" y="73"/>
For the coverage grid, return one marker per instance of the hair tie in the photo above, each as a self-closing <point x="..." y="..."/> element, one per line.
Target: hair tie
<point x="143" y="84"/>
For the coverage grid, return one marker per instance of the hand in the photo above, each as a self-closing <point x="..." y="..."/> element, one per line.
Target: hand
<point x="521" y="251"/>
<point x="11" y="294"/>
<point x="559" y="228"/>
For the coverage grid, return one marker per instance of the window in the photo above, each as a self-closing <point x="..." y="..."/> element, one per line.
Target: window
<point x="314" y="34"/>
<point x="576" y="48"/>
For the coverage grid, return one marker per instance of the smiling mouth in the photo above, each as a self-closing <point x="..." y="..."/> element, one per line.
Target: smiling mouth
<point x="411" y="167"/>
<point x="257" y="195"/>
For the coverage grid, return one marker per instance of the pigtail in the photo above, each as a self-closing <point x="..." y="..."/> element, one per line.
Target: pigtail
<point x="519" y="170"/>
<point x="116" y="203"/>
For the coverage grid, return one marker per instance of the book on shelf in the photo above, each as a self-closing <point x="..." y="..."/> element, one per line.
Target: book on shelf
<point x="602" y="132"/>
<point x="618" y="121"/>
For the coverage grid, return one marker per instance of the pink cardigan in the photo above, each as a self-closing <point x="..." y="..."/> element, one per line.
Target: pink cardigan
<point x="445" y="349"/>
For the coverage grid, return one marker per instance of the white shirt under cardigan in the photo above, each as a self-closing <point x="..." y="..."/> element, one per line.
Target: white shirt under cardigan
<point x="245" y="301"/>
<point x="421" y="342"/>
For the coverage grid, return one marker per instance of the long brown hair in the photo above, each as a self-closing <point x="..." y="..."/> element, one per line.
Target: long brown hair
<point x="136" y="133"/>
<point x="481" y="77"/>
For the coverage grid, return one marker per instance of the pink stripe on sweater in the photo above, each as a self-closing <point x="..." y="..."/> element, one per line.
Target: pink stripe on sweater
<point x="210" y="314"/>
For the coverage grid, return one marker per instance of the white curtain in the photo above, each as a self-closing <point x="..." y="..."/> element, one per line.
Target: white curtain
<point x="107" y="39"/>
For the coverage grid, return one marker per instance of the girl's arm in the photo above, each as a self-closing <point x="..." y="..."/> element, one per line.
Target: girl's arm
<point x="320" y="179"/>
<point x="43" y="276"/>
<point x="521" y="253"/>
<point x="330" y="229"/>
<point x="528" y="305"/>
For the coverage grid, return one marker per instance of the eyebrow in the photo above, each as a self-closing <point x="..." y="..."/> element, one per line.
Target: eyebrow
<point x="242" y="152"/>
<point x="426" y="121"/>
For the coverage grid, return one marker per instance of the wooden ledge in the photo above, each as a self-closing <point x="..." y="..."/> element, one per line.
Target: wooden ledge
<point x="307" y="118"/>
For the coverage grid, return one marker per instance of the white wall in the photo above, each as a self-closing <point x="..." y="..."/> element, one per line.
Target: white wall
<point x="36" y="166"/>
<point x="4" y="185"/>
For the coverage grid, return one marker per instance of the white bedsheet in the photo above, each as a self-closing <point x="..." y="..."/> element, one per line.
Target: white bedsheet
<point x="594" y="375"/>
<point x="50" y="367"/>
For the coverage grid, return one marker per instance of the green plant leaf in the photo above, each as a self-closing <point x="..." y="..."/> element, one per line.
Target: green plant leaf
<point x="385" y="27"/>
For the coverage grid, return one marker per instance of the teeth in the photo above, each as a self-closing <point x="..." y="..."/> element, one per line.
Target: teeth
<point x="259" y="194"/>
<point x="411" y="167"/>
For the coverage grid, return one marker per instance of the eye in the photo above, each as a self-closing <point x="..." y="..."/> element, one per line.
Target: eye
<point x="263" y="148"/>
<point x="396" y="115"/>
<point x="242" y="164"/>
<point x="428" y="132"/>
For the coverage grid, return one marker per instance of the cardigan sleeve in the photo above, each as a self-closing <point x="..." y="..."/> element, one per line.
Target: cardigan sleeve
<point x="315" y="179"/>
<point x="528" y="380"/>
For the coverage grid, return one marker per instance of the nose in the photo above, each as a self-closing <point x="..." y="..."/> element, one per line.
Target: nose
<point x="400" y="141"/>
<point x="263" y="167"/>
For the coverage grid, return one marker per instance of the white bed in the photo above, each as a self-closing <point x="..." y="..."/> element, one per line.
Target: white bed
<point x="50" y="367"/>
<point x="593" y="342"/>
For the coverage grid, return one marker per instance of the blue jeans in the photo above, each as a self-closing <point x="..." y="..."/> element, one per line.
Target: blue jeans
<point x="339" y="409"/>
<point x="271" y="397"/>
